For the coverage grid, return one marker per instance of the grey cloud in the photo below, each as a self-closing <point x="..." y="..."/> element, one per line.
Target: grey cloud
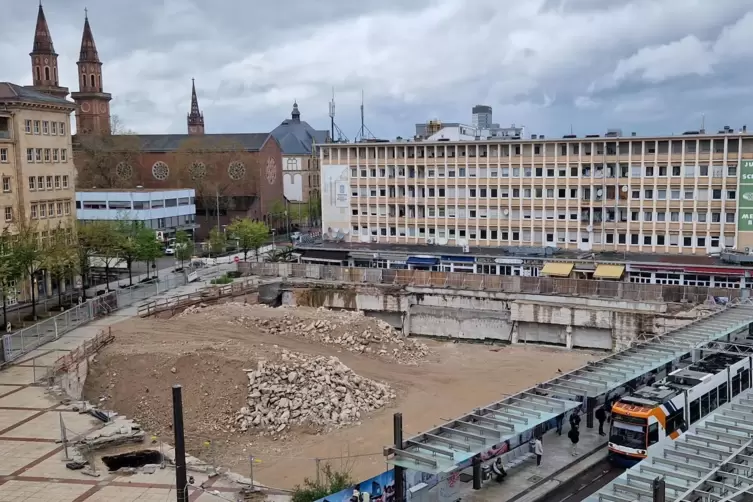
<point x="533" y="61"/>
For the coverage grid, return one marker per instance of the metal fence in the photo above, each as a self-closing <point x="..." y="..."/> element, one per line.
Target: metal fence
<point x="495" y="283"/>
<point x="23" y="341"/>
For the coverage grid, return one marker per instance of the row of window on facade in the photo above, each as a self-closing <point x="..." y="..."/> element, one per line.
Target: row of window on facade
<point x="46" y="127"/>
<point x="135" y="205"/>
<point x="56" y="182"/>
<point x="599" y="216"/>
<point x="38" y="155"/>
<point x="50" y="209"/>
<point x="161" y="223"/>
<point x="564" y="193"/>
<point x="587" y="148"/>
<point x="581" y="171"/>
<point x="550" y="238"/>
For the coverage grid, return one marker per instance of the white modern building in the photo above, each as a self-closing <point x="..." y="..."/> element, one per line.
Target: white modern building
<point x="165" y="211"/>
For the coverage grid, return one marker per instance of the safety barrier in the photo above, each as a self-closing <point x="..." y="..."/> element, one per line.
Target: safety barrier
<point x="25" y="340"/>
<point x="497" y="283"/>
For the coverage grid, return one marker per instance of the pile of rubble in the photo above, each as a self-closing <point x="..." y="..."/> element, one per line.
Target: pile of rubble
<point x="352" y="331"/>
<point x="348" y="330"/>
<point x="308" y="390"/>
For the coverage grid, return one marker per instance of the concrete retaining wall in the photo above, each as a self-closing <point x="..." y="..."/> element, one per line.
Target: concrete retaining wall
<point x="595" y="323"/>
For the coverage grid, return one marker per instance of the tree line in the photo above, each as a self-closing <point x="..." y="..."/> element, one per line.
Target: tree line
<point x="66" y="253"/>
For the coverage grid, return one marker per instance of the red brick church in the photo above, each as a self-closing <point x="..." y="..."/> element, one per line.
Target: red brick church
<point x="239" y="175"/>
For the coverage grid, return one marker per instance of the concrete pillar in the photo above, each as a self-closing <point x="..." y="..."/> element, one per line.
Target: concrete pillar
<point x="515" y="334"/>
<point x="406" y="322"/>
<point x="569" y="337"/>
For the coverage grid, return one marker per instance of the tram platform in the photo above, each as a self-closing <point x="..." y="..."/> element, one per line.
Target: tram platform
<point x="526" y="482"/>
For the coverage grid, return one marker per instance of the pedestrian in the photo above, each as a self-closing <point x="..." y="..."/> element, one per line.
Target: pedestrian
<point x="574" y="436"/>
<point x="560" y="420"/>
<point x="538" y="449"/>
<point x="601" y="416"/>
<point x="574" y="420"/>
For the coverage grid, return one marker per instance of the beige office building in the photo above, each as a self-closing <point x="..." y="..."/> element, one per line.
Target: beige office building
<point x="36" y="165"/>
<point x="689" y="194"/>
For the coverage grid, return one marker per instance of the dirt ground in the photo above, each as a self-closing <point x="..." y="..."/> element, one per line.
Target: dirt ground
<point x="207" y="356"/>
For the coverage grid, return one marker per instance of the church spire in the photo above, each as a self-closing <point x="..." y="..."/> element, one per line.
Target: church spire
<point x="195" y="118"/>
<point x="42" y="37"/>
<point x="88" y="51"/>
<point x="296" y="115"/>
<point x="44" y="60"/>
<point x="93" y="113"/>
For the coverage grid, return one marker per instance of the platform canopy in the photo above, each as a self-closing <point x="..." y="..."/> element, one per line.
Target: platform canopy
<point x="443" y="447"/>
<point x="712" y="462"/>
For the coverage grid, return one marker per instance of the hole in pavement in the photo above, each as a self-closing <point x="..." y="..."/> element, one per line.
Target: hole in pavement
<point x="132" y="459"/>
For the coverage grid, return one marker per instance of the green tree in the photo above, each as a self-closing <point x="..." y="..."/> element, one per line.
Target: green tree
<point x="60" y="259"/>
<point x="100" y="240"/>
<point x="330" y="482"/>
<point x="29" y="254"/>
<point x="184" y="247"/>
<point x="9" y="271"/>
<point x="251" y="235"/>
<point x="128" y="245"/>
<point x="149" y="248"/>
<point x="277" y="214"/>
<point x="217" y="241"/>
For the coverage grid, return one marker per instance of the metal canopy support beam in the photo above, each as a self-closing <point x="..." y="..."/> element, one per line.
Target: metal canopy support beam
<point x="467" y="435"/>
<point x="421" y="459"/>
<point x="433" y="449"/>
<point x="509" y="416"/>
<point x="450" y="442"/>
<point x="498" y="423"/>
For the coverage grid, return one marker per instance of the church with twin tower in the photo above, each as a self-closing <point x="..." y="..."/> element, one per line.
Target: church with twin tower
<point x="92" y="103"/>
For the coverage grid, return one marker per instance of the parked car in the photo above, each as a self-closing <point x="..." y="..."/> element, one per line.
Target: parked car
<point x="169" y="251"/>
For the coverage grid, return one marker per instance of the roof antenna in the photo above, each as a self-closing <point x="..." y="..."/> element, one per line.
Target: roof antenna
<point x="364" y="134"/>
<point x="333" y="127"/>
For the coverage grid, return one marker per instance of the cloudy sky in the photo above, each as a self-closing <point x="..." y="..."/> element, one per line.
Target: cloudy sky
<point x="652" y="66"/>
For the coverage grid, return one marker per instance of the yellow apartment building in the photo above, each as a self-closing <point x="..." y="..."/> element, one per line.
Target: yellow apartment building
<point x="687" y="194"/>
<point x="36" y="167"/>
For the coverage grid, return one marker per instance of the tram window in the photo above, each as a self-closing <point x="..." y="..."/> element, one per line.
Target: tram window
<point x="722" y="394"/>
<point x="745" y="380"/>
<point x="713" y="398"/>
<point x="695" y="411"/>
<point x="735" y="385"/>
<point x="705" y="405"/>
<point x="653" y="434"/>
<point x="675" y="421"/>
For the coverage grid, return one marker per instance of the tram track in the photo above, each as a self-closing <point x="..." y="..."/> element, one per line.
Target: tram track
<point x="585" y="484"/>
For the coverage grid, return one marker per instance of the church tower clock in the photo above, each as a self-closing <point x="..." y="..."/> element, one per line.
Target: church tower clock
<point x="93" y="112"/>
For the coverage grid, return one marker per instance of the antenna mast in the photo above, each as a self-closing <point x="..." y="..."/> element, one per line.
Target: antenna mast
<point x="364" y="134"/>
<point x="341" y="138"/>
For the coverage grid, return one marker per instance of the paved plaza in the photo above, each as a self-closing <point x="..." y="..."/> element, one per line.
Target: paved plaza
<point x="33" y="459"/>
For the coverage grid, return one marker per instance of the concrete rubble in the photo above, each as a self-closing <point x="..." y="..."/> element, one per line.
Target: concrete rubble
<point x="308" y="390"/>
<point x="351" y="330"/>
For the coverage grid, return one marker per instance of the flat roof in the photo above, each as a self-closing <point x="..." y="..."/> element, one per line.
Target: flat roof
<point x="548" y="139"/>
<point x="523" y="253"/>
<point x="131" y="190"/>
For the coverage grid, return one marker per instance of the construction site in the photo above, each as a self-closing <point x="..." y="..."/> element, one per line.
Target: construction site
<point x="296" y="388"/>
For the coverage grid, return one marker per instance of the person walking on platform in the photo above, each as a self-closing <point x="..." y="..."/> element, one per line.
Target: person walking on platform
<point x="574" y="436"/>
<point x="560" y="420"/>
<point x="538" y="449"/>
<point x="601" y="416"/>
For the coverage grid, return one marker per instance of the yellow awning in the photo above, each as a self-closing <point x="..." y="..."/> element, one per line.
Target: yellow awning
<point x="558" y="269"/>
<point x="609" y="271"/>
